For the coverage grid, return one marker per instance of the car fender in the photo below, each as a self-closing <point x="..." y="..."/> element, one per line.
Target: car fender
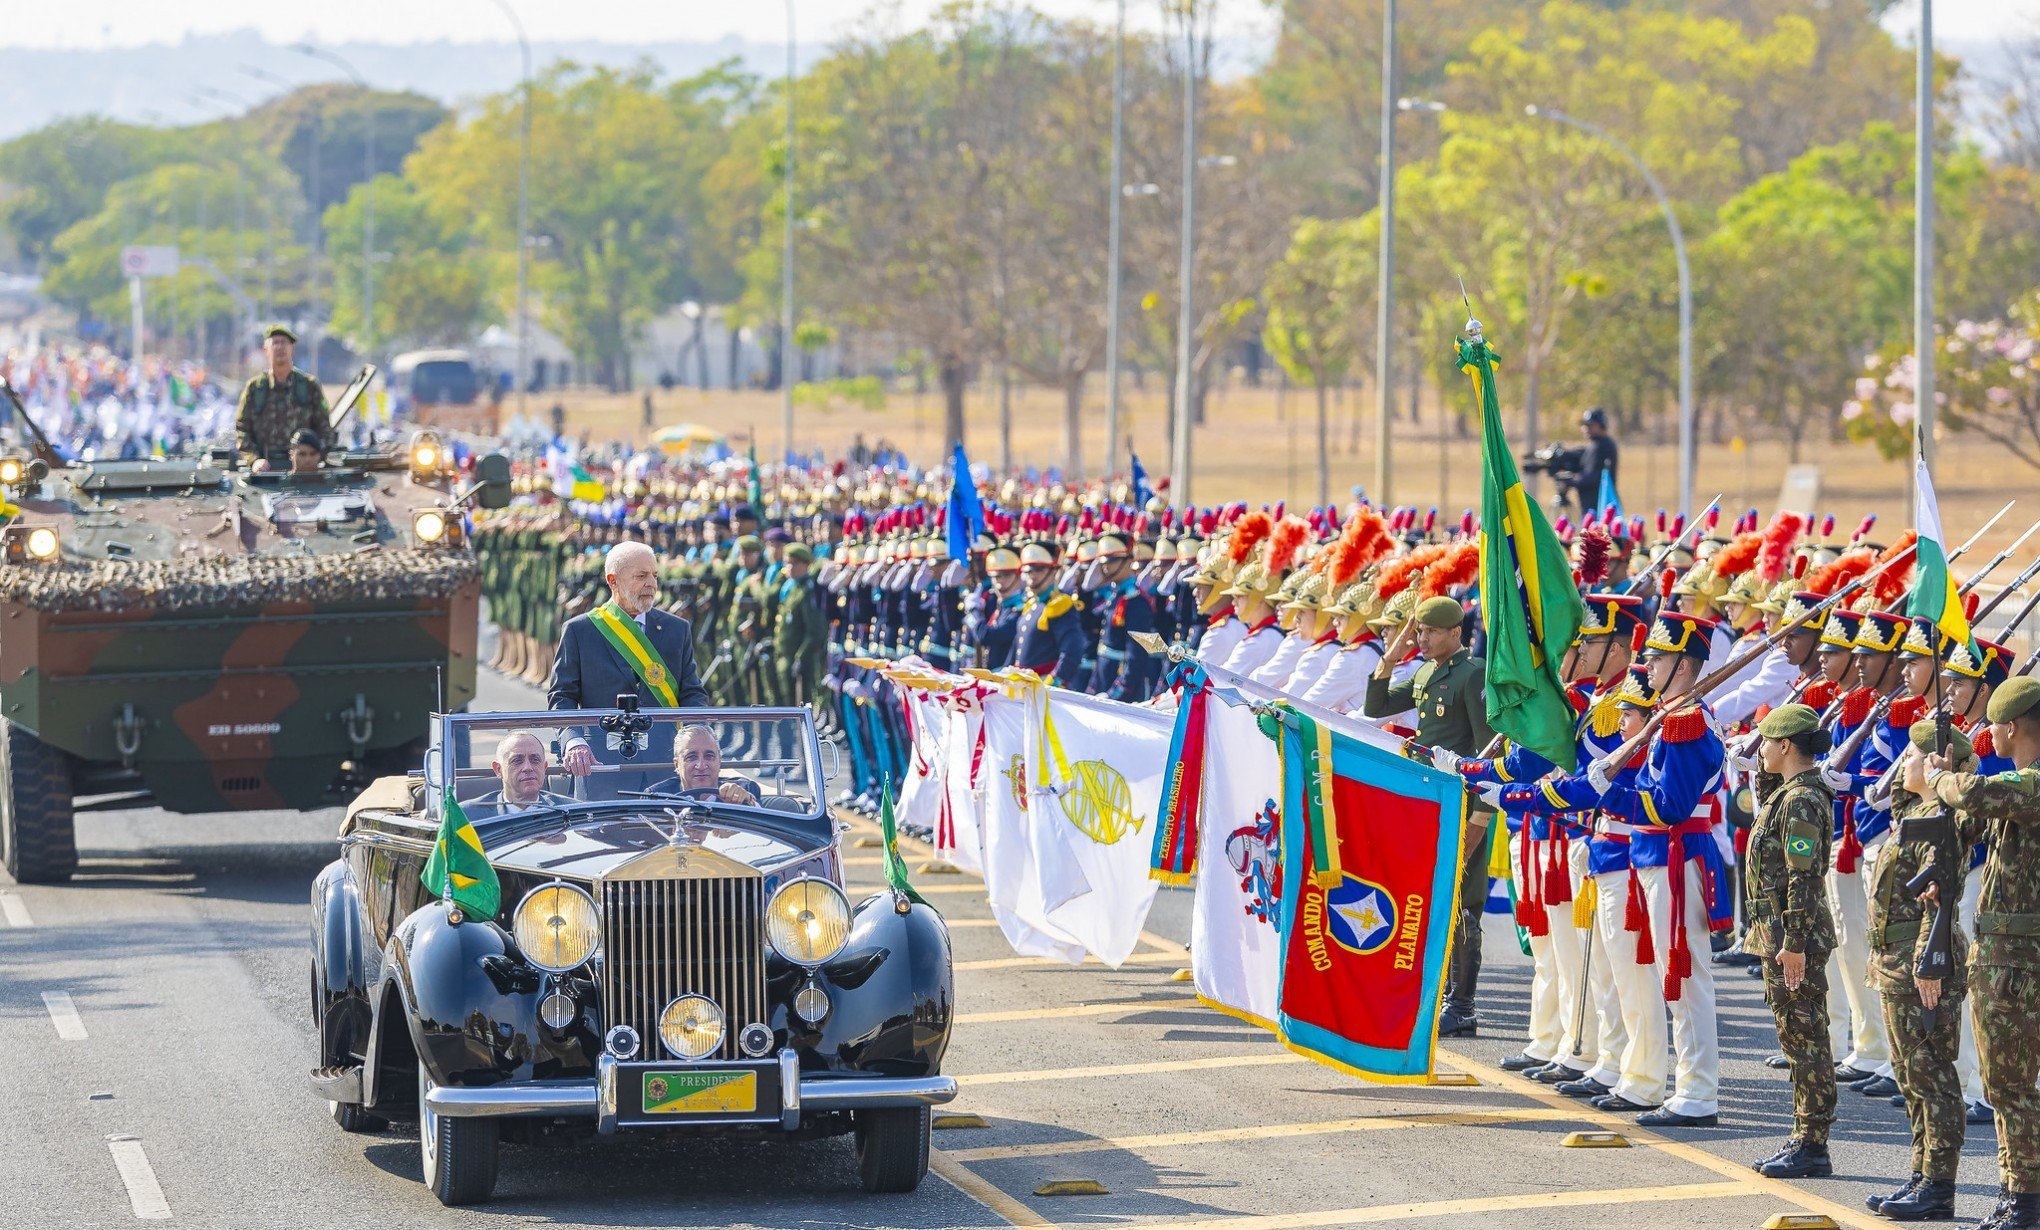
<point x="341" y="973"/>
<point x="892" y="992"/>
<point x="469" y="1026"/>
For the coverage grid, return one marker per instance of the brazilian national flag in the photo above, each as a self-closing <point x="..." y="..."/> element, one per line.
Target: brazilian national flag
<point x="458" y="871"/>
<point x="1528" y="603"/>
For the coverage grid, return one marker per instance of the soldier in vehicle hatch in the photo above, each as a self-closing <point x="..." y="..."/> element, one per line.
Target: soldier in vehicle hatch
<point x="278" y="404"/>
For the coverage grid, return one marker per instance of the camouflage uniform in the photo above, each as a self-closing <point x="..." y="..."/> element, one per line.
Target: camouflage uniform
<point x="271" y="413"/>
<point x="1785" y="902"/>
<point x="1923" y="1060"/>
<point x="2004" y="961"/>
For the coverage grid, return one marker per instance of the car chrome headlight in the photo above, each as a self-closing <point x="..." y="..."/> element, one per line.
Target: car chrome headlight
<point x="808" y="921"/>
<point x="557" y="927"/>
<point x="429" y="525"/>
<point x="691" y="1027"/>
<point x="11" y="470"/>
<point x="42" y="543"/>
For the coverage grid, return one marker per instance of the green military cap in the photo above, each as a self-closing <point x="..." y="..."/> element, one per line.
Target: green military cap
<point x="278" y="330"/>
<point x="1788" y="720"/>
<point x="801" y="551"/>
<point x="1440" y="612"/>
<point x="750" y="542"/>
<point x="2014" y="699"/>
<point x="1922" y="736"/>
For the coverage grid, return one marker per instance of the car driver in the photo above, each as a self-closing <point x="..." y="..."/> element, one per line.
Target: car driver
<point x="698" y="763"/>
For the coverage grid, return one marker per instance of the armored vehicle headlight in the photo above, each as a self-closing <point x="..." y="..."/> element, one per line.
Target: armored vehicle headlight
<point x="429" y="525"/>
<point x="425" y="456"/>
<point x="557" y="927"/>
<point x="10" y="470"/>
<point x="808" y="921"/>
<point x="42" y="543"/>
<point x="691" y="1027"/>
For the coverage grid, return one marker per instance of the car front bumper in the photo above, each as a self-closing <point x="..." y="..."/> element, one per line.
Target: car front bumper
<point x="798" y="1094"/>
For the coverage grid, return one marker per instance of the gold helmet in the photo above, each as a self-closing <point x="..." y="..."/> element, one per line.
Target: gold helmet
<point x="1397" y="611"/>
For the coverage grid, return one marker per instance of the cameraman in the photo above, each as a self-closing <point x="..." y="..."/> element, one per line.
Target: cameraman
<point x="1601" y="457"/>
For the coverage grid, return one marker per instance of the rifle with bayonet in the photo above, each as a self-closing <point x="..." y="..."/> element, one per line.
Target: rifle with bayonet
<point x="1639" y="584"/>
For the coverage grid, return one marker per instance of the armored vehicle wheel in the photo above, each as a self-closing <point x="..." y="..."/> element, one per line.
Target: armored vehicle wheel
<point x="892" y="1148"/>
<point x="459" y="1155"/>
<point x="38" y="838"/>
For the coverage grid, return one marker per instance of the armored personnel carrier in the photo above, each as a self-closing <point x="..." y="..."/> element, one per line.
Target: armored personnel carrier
<point x="189" y="634"/>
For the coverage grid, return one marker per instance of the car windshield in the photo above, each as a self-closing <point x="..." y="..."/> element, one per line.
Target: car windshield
<point x="502" y="764"/>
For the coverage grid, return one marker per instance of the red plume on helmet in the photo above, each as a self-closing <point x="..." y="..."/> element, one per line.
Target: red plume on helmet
<point x="1779" y="538"/>
<point x="1367" y="536"/>
<point x="1863" y="530"/>
<point x="1592" y="550"/>
<point x="1737" y="557"/>
<point x="1284" y="542"/>
<point x="1460" y="565"/>
<point x="1845" y="568"/>
<point x="1892" y="583"/>
<point x="1397" y="574"/>
<point x="1247" y="535"/>
<point x="1637" y="636"/>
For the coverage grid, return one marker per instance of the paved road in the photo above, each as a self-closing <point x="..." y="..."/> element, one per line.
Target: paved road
<point x="154" y="1040"/>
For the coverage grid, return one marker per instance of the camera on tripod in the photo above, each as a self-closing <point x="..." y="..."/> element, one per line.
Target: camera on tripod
<point x="1562" y="462"/>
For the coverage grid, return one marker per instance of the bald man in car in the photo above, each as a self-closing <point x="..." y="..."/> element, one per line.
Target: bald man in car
<point x="520" y="765"/>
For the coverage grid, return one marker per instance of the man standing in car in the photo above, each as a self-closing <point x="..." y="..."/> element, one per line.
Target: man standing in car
<point x="626" y="645"/>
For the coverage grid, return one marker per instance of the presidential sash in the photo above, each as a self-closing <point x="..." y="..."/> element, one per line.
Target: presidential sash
<point x="627" y="638"/>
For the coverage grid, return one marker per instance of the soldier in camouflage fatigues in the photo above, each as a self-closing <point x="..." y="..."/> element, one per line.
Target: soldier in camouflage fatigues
<point x="273" y="408"/>
<point x="2004" y="962"/>
<point x="1785" y="903"/>
<point x="1923" y="1060"/>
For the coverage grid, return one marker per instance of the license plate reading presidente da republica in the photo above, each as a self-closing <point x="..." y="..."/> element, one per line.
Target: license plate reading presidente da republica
<point x="710" y="1091"/>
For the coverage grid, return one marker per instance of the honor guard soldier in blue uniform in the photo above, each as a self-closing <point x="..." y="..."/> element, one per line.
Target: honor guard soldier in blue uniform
<point x="1123" y="608"/>
<point x="1050" y="638"/>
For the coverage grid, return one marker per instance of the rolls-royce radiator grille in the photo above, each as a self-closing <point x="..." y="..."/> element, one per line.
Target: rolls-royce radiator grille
<point x="666" y="938"/>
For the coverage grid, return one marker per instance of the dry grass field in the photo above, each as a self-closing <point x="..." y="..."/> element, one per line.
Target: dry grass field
<point x="1258" y="446"/>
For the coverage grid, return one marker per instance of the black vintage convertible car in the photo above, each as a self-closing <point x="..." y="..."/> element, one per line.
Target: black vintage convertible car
<point x="674" y="951"/>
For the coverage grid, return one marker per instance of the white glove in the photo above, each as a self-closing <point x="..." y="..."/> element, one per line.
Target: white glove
<point x="1837" y="780"/>
<point x="1598" y="776"/>
<point x="1742" y="762"/>
<point x="1490" y="793"/>
<point x="1445" y="759"/>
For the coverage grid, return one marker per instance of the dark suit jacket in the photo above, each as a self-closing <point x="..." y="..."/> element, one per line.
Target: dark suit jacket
<point x="588" y="673"/>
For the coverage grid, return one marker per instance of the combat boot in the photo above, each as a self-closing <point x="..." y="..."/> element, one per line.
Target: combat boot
<point x="1876" y="1203"/>
<point x="1995" y="1219"/>
<point x="1803" y="1160"/>
<point x="1931" y="1200"/>
<point x="2024" y="1213"/>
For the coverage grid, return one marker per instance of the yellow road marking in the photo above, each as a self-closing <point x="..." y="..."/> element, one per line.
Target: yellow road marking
<point x="1128" y="1069"/>
<point x="1679" y="1149"/>
<point x="997" y="1202"/>
<point x="1272" y="1131"/>
<point x="1137" y="958"/>
<point x="1042" y="1014"/>
<point x="957" y="924"/>
<point x="1455" y="1208"/>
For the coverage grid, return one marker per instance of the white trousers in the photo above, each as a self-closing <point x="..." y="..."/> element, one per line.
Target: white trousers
<point x="1552" y="956"/>
<point x="1855" y="1013"/>
<point x="1640" y="1005"/>
<point x="1604" y="1035"/>
<point x="1696" y="1048"/>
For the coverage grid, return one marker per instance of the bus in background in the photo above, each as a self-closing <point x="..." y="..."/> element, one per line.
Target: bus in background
<point x="441" y="388"/>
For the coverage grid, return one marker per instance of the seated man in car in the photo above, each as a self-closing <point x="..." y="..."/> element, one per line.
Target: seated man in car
<point x="520" y="765"/>
<point x="698" y="763"/>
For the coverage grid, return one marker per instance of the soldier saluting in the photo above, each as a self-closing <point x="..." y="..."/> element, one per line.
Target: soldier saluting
<point x="278" y="404"/>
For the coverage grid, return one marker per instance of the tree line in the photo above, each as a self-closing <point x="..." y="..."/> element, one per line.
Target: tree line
<point x="951" y="202"/>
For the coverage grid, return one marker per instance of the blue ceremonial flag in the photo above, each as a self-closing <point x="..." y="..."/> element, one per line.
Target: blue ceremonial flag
<point x="1142" y="491"/>
<point x="1608" y="498"/>
<point x="966" y="515"/>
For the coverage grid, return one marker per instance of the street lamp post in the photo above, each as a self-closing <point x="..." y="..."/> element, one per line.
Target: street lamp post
<point x="1686" y="442"/>
<point x="1179" y="446"/>
<point x="523" y="222"/>
<point x="1384" y="326"/>
<point x="1112" y="244"/>
<point x="1923" y="237"/>
<point x="786" y="259"/>
<point x="367" y="200"/>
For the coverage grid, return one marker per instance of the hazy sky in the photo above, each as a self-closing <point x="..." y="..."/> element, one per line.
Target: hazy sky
<point x="100" y="23"/>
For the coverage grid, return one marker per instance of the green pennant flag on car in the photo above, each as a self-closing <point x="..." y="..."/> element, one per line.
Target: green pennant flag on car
<point x="458" y="870"/>
<point x="895" y="868"/>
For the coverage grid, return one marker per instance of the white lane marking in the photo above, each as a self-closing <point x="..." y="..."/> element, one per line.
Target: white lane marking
<point x="144" y="1193"/>
<point x="64" y="1015"/>
<point x="15" y="910"/>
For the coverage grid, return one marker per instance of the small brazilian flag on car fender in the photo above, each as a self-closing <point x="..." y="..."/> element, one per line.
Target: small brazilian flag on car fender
<point x="895" y="868"/>
<point x="458" y="871"/>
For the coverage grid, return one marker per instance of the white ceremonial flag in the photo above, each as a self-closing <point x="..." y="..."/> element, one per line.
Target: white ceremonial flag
<point x="1105" y="761"/>
<point x="1012" y="879"/>
<point x="1235" y="954"/>
<point x="959" y="836"/>
<point x="918" y="797"/>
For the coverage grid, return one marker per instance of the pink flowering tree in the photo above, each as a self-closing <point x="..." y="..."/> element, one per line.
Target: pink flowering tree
<point x="1986" y="381"/>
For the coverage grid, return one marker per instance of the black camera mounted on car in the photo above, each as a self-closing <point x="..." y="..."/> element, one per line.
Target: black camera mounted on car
<point x="625" y="729"/>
